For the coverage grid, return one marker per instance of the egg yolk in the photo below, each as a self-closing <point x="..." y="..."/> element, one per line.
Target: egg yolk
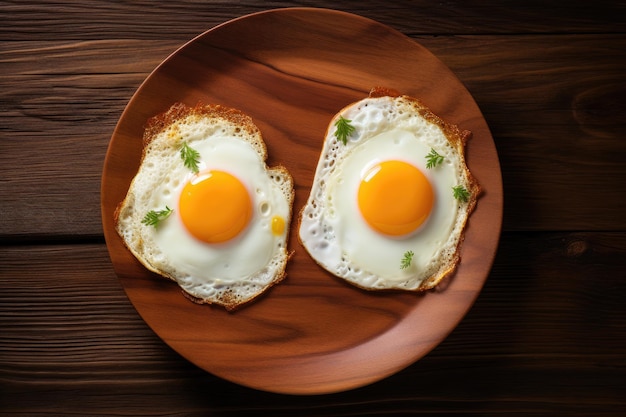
<point x="278" y="225"/>
<point x="395" y="198"/>
<point x="215" y="207"/>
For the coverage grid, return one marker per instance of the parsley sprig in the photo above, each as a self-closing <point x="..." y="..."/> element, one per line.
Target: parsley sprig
<point x="460" y="193"/>
<point x="190" y="157"/>
<point x="344" y="129"/>
<point x="433" y="159"/>
<point x="154" y="217"/>
<point x="406" y="259"/>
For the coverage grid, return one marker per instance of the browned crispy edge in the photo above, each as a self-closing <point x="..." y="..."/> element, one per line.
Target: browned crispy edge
<point x="458" y="138"/>
<point x="229" y="301"/>
<point x="161" y="122"/>
<point x="179" y="111"/>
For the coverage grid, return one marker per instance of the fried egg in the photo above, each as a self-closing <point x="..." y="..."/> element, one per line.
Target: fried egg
<point x="205" y="210"/>
<point x="388" y="208"/>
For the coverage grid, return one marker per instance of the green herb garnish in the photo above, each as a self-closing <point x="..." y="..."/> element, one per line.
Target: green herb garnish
<point x="154" y="217"/>
<point x="190" y="157"/>
<point x="406" y="260"/>
<point x="433" y="159"/>
<point x="344" y="129"/>
<point x="460" y="193"/>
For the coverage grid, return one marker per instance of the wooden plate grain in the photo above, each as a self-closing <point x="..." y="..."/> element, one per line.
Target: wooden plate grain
<point x="292" y="70"/>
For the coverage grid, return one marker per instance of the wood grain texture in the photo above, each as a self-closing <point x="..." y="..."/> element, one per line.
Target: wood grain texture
<point x="546" y="335"/>
<point x="536" y="342"/>
<point x="182" y="19"/>
<point x="544" y="108"/>
<point x="60" y="103"/>
<point x="556" y="120"/>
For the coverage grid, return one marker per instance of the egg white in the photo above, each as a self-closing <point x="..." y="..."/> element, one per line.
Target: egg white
<point x="230" y="272"/>
<point x="238" y="258"/>
<point x="332" y="228"/>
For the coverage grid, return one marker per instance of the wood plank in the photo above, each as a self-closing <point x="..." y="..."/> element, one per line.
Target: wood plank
<point x="555" y="117"/>
<point x="551" y="339"/>
<point x="185" y="19"/>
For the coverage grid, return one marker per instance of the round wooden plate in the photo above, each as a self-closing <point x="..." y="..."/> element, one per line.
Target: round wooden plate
<point x="292" y="70"/>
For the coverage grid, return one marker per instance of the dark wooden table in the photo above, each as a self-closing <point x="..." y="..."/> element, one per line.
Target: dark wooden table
<point x="546" y="336"/>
